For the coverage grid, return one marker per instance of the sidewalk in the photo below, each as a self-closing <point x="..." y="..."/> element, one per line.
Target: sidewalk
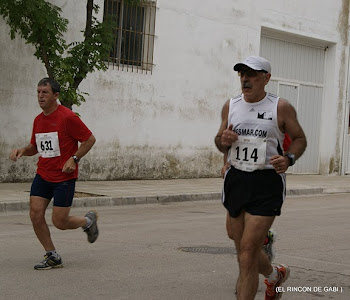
<point x="15" y="196"/>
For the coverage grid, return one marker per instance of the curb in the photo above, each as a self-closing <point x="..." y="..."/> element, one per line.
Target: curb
<point x="23" y="206"/>
<point x="117" y="201"/>
<point x="305" y="192"/>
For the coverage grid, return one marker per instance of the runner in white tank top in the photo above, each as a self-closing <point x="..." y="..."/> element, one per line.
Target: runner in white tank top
<point x="251" y="135"/>
<point x="259" y="137"/>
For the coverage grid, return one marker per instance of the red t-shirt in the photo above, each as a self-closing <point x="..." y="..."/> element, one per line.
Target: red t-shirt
<point x="56" y="138"/>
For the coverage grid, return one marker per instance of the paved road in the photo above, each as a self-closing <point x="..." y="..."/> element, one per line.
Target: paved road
<point x="139" y="253"/>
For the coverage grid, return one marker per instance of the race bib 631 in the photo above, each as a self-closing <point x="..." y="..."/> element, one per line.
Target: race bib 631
<point x="47" y="144"/>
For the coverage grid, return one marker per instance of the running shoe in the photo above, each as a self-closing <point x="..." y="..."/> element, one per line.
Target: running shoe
<point x="92" y="230"/>
<point x="268" y="245"/>
<point x="283" y="274"/>
<point x="49" y="262"/>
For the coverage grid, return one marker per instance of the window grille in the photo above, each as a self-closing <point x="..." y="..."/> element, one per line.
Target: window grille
<point x="134" y="26"/>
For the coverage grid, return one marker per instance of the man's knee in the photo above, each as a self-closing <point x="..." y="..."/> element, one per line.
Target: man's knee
<point x="37" y="209"/>
<point x="37" y="213"/>
<point x="60" y="217"/>
<point x="249" y="253"/>
<point x="59" y="223"/>
<point x="247" y="258"/>
<point x="36" y="216"/>
<point x="230" y="234"/>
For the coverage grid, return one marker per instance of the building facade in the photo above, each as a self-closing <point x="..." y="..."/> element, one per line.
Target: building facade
<point x="157" y="108"/>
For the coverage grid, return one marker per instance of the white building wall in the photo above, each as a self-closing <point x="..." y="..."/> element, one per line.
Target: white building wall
<point x="329" y="24"/>
<point x="162" y="125"/>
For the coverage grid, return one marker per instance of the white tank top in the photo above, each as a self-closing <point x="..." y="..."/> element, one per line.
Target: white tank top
<point x="259" y="135"/>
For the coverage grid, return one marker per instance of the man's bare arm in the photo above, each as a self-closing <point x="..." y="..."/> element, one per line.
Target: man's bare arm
<point x="293" y="128"/>
<point x="29" y="150"/>
<point x="84" y="148"/>
<point x="225" y="136"/>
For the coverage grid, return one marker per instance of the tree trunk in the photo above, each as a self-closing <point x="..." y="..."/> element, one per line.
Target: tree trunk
<point x="66" y="104"/>
<point x="87" y="35"/>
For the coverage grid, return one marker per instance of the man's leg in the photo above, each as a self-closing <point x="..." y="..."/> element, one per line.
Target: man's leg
<point x="267" y="249"/>
<point x="232" y="235"/>
<point x="229" y="228"/>
<point x="249" y="236"/>
<point x="62" y="220"/>
<point x="40" y="195"/>
<point x="38" y="206"/>
<point x="270" y="239"/>
<point x="63" y="198"/>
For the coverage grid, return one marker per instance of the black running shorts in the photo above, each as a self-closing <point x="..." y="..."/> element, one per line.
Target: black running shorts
<point x="261" y="192"/>
<point x="61" y="192"/>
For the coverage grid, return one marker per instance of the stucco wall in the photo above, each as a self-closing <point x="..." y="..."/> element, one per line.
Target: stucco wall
<point x="162" y="125"/>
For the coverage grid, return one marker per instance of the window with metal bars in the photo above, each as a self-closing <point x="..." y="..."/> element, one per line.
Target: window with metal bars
<point x="133" y="28"/>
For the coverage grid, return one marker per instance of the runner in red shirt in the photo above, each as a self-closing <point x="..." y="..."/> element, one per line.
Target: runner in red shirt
<point x="56" y="133"/>
<point x="68" y="129"/>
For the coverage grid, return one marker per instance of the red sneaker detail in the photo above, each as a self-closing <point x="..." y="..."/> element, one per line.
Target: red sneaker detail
<point x="283" y="274"/>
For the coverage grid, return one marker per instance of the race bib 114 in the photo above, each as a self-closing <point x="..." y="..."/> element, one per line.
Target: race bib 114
<point x="249" y="153"/>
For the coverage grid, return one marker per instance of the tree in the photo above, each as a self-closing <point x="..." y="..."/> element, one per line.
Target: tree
<point x="40" y="23"/>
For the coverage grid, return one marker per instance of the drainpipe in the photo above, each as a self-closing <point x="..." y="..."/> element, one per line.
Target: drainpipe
<point x="346" y="135"/>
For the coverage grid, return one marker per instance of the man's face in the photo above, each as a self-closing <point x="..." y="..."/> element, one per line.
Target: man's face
<point x="46" y="98"/>
<point x="253" y="83"/>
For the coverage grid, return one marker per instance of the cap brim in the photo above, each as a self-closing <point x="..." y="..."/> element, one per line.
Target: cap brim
<point x="239" y="66"/>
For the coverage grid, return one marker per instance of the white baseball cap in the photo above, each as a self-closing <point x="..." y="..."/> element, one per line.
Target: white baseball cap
<point x="257" y="63"/>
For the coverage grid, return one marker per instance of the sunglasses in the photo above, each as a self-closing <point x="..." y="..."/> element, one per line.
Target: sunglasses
<point x="250" y="73"/>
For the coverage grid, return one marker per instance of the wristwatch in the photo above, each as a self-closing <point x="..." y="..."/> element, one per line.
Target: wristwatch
<point x="76" y="159"/>
<point x="291" y="158"/>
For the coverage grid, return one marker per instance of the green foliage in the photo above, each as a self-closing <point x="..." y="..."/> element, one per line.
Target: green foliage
<point x="83" y="58"/>
<point x="40" y="23"/>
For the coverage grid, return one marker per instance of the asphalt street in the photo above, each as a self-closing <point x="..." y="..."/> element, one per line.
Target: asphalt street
<point x="177" y="251"/>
